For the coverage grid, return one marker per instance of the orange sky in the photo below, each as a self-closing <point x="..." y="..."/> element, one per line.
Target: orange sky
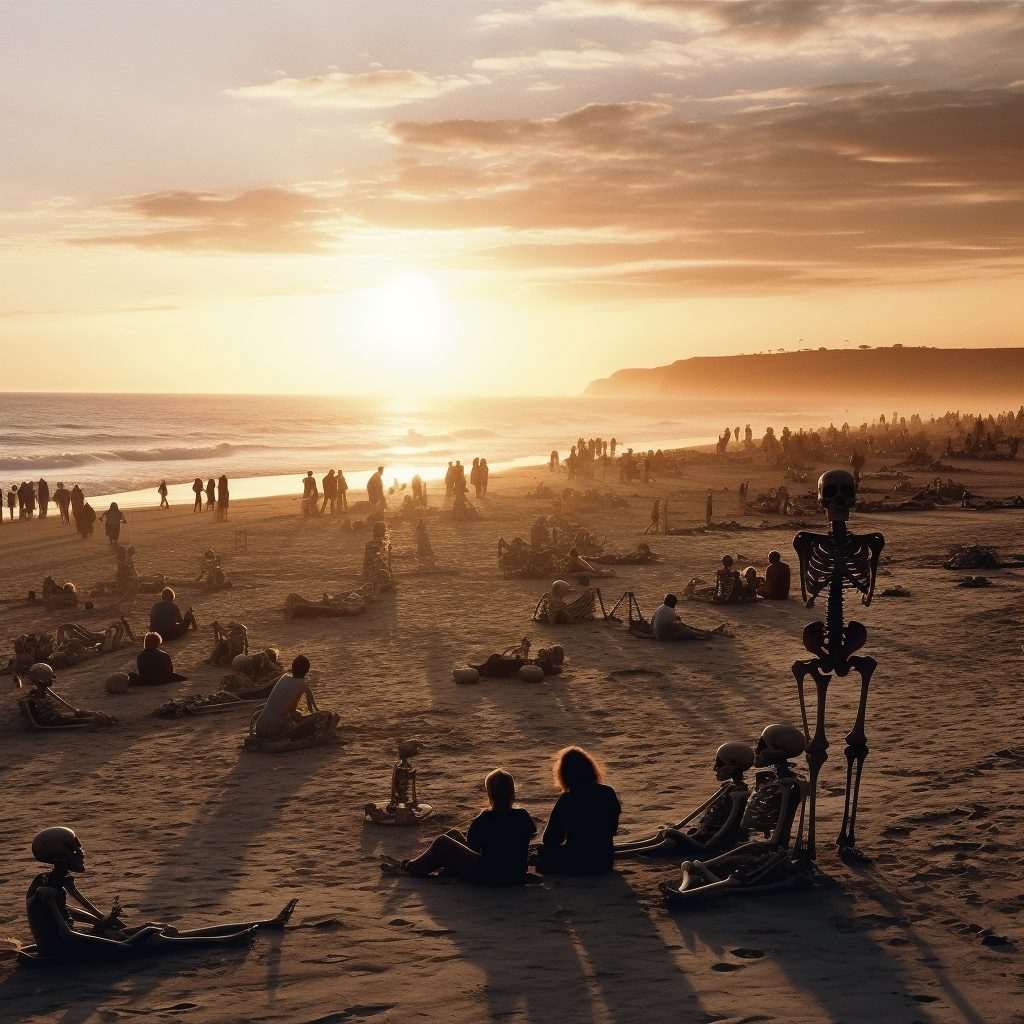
<point x="498" y="198"/>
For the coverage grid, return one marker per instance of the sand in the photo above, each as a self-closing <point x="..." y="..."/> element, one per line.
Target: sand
<point x="187" y="826"/>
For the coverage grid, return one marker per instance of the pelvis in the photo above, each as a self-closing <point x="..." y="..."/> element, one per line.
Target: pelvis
<point x="832" y="651"/>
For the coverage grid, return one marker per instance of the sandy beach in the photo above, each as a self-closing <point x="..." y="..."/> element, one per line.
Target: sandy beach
<point x="187" y="826"/>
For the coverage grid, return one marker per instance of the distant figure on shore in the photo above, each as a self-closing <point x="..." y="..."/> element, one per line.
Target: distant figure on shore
<point x="330" y="485"/>
<point x="166" y="619"/>
<point x="12" y="500"/>
<point x="418" y="493"/>
<point x="27" y="493"/>
<point x="309" y="493"/>
<point x="375" y="489"/>
<point x="342" y="492"/>
<point x="222" y="498"/>
<point x="776" y="579"/>
<point x="211" y="495"/>
<point x="612" y="445"/>
<point x="484" y="474"/>
<point x="449" y="480"/>
<point x="43" y="490"/>
<point x="155" y="667"/>
<point x="474" y="476"/>
<point x="85" y="516"/>
<point x="162" y="491"/>
<point x="197" y="487"/>
<point x="62" y="499"/>
<point x="580" y="833"/>
<point x="553" y="462"/>
<point x="113" y="518"/>
<point x="459" y="487"/>
<point x="280" y="717"/>
<point x="493" y="851"/>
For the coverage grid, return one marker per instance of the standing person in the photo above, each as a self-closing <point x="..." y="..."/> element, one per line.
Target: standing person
<point x="162" y="491"/>
<point x="222" y="498"/>
<point x="197" y="487"/>
<point x="553" y="462"/>
<point x="211" y="495"/>
<point x="342" y="492"/>
<point x="484" y="473"/>
<point x="460" y="478"/>
<point x="309" y="493"/>
<point x="474" y="476"/>
<point x="375" y="489"/>
<point x="579" y="837"/>
<point x="330" y="483"/>
<point x="449" y="480"/>
<point x="44" y="498"/>
<point x="113" y="518"/>
<point x="62" y="498"/>
<point x="12" y="500"/>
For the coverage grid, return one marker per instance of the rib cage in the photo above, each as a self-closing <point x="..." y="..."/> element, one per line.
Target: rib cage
<point x="855" y="558"/>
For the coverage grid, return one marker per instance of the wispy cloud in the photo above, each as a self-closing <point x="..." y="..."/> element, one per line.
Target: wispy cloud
<point x="653" y="56"/>
<point x="369" y="90"/>
<point x="854" y="183"/>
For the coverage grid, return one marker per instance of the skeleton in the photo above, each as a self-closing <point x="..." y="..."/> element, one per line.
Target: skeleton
<point x="838" y="561"/>
<point x="404" y="807"/>
<point x="718" y="827"/>
<point x="377" y="571"/>
<point x="762" y="863"/>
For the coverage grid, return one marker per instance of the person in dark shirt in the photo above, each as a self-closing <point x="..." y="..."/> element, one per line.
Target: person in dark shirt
<point x="166" y="619"/>
<point x="579" y="837"/>
<point x="776" y="579"/>
<point x="154" y="666"/>
<point x="493" y="852"/>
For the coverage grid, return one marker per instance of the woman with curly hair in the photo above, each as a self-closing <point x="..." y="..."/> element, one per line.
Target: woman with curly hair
<point x="584" y="820"/>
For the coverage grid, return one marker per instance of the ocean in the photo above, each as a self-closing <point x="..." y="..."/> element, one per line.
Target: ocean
<point x="120" y="446"/>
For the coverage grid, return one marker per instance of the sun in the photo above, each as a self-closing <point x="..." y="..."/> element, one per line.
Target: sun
<point x="407" y="314"/>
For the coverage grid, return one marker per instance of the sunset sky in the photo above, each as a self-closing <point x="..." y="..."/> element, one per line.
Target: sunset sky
<point x="497" y="198"/>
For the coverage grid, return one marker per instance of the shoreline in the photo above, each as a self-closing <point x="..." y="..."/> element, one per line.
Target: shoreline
<point x="290" y="484"/>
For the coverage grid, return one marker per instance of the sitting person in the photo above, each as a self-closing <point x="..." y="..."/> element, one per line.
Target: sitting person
<point x="280" y="717"/>
<point x="493" y="852"/>
<point x="666" y="625"/>
<point x="53" y="923"/>
<point x="166" y="619"/>
<point x="776" y="579"/>
<point x="579" y="837"/>
<point x="750" y="584"/>
<point x="154" y="666"/>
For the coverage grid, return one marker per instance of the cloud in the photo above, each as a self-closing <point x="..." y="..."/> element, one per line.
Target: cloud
<point x="654" y="56"/>
<point x="854" y="183"/>
<point x="371" y="89"/>
<point x="259" y="221"/>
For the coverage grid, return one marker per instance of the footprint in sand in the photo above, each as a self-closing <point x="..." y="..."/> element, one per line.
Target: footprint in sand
<point x="747" y="954"/>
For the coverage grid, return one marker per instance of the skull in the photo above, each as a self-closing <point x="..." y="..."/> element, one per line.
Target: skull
<point x="837" y="494"/>
<point x="731" y="758"/>
<point x="778" y="743"/>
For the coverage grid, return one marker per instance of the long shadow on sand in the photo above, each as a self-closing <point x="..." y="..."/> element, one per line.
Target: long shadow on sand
<point x="572" y="949"/>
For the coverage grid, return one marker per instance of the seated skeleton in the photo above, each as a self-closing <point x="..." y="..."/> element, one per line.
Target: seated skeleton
<point x="211" y="575"/>
<point x="564" y="603"/>
<point x="228" y="643"/>
<point x="377" y="569"/>
<point x="763" y="863"/>
<point x="55" y="928"/>
<point x="718" y="826"/>
<point x="46" y="710"/>
<point x="727" y="589"/>
<point x="424" y="550"/>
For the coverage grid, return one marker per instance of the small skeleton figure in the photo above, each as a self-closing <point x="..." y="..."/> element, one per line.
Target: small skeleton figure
<point x="377" y="569"/>
<point x="838" y="561"/>
<point x="404" y="807"/>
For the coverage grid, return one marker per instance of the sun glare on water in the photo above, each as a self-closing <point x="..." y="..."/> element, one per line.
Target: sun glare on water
<point x="408" y="315"/>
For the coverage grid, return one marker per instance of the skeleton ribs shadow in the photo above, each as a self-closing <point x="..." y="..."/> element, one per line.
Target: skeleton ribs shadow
<point x="838" y="561"/>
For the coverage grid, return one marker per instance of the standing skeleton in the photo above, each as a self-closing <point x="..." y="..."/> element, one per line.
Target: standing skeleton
<point x="838" y="561"/>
